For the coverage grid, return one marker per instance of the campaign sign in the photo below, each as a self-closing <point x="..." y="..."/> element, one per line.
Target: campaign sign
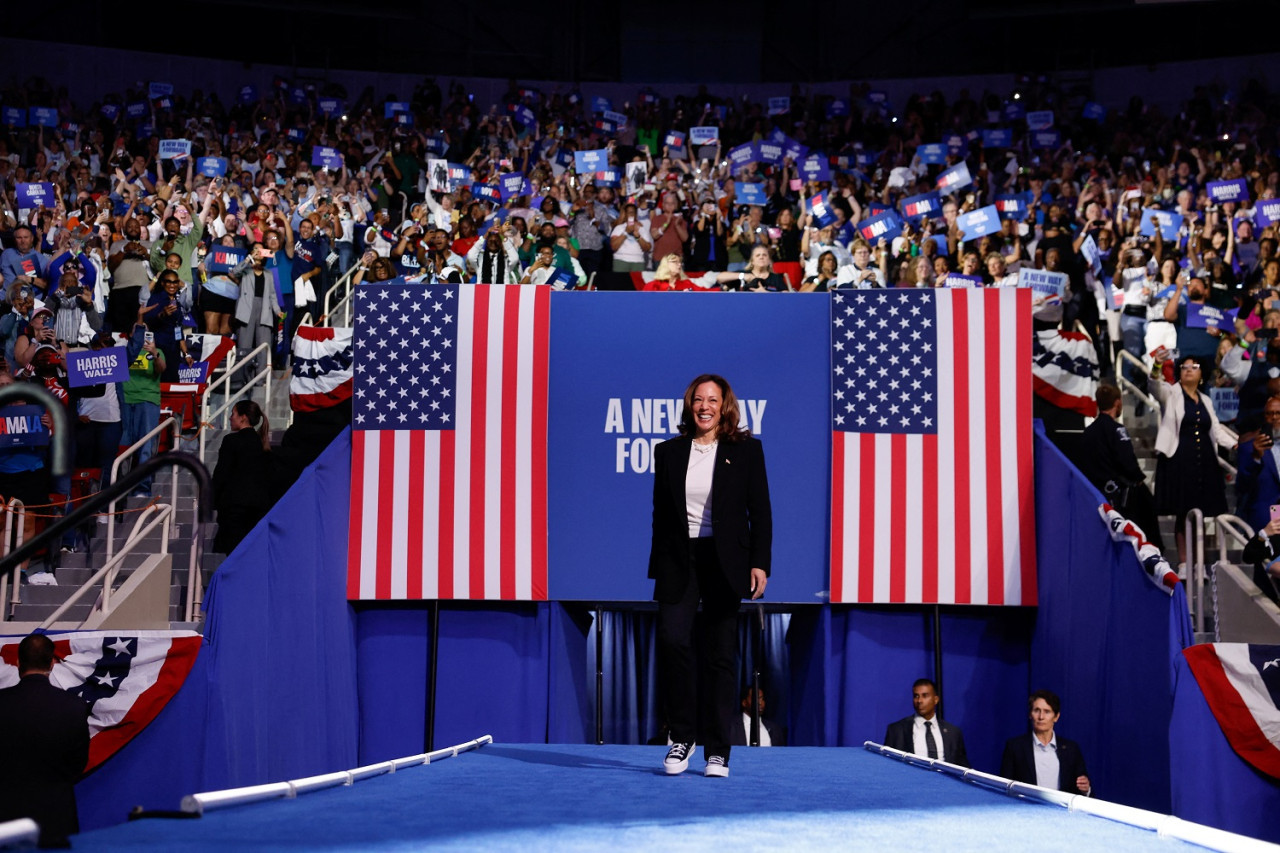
<point x="486" y="192"/>
<point x="110" y="112"/>
<point x="997" y="137"/>
<point x="522" y="115"/>
<point x="459" y="174"/>
<point x="954" y="178"/>
<point x="979" y="223"/>
<point x="14" y="116"/>
<point x="1093" y="111"/>
<point x="296" y="134"/>
<point x="821" y="211"/>
<point x="795" y="150"/>
<point x="1226" y="403"/>
<point x="955" y="279"/>
<point x="749" y="193"/>
<point x="1014" y="110"/>
<point x="164" y="102"/>
<point x="390" y="108"/>
<point x="1225" y="191"/>
<point x="917" y="206"/>
<point x="96" y="367"/>
<point x="212" y="167"/>
<point x="932" y="154"/>
<point x="511" y="185"/>
<point x="875" y="208"/>
<point x="610" y="177"/>
<point x="20" y="426"/>
<point x="815" y="168"/>
<point x="1044" y="282"/>
<point x="601" y="104"/>
<point x="1039" y="119"/>
<point x="135" y="109"/>
<point x="329" y="107"/>
<point x="1266" y="211"/>
<point x="779" y="106"/>
<point x="326" y="157"/>
<point x="605" y="126"/>
<point x="883" y="226"/>
<point x="156" y="89"/>
<point x="1046" y="139"/>
<point x="603" y="425"/>
<point x="248" y="94"/>
<point x="703" y="135"/>
<point x="196" y="374"/>
<point x="837" y="107"/>
<point x="1013" y="205"/>
<point x="863" y="159"/>
<point x="674" y="139"/>
<point x="34" y="194"/>
<point x="1169" y="221"/>
<point x="769" y="152"/>
<point x="585" y="162"/>
<point x="1093" y="258"/>
<point x="42" y="117"/>
<point x="741" y="155"/>
<point x="956" y="144"/>
<point x="174" y="149"/>
<point x="144" y="130"/>
<point x="223" y="259"/>
<point x="618" y="119"/>
<point x="297" y="95"/>
<point x="1201" y="316"/>
<point x="435" y="145"/>
<point x="70" y="129"/>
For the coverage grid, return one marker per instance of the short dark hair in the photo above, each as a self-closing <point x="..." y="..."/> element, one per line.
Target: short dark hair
<point x="35" y="654"/>
<point x="1106" y="396"/>
<point x="921" y="682"/>
<point x="1049" y="697"/>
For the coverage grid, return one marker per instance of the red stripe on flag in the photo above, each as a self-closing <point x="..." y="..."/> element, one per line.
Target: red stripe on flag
<point x="960" y="357"/>
<point x="386" y="523"/>
<point x="448" y="449"/>
<point x="510" y="428"/>
<point x="995" y="333"/>
<point x="538" y="436"/>
<point x="479" y="411"/>
<point x="1229" y="708"/>
<point x="897" y="522"/>
<point x="929" y="511"/>
<point x="837" y="516"/>
<point x="1025" y="455"/>
<point x="867" y="519"/>
<point x="356" y="528"/>
<point x="413" y="551"/>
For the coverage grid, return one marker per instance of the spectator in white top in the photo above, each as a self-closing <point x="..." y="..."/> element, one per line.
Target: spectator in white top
<point x="494" y="259"/>
<point x="630" y="241"/>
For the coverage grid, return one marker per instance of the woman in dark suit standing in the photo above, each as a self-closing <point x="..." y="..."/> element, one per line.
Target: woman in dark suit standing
<point x="241" y="487"/>
<point x="712" y="535"/>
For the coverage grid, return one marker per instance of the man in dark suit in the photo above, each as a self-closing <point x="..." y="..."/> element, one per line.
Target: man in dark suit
<point x="924" y="732"/>
<point x="772" y="733"/>
<point x="712" y="540"/>
<point x="1107" y="460"/>
<point x="1042" y="758"/>
<point x="44" y="746"/>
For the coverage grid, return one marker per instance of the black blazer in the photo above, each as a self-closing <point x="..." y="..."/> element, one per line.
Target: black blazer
<point x="44" y="741"/>
<point x="898" y="736"/>
<point x="741" y="517"/>
<point x="1019" y="762"/>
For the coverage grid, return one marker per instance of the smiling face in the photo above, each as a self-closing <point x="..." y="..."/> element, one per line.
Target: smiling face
<point x="707" y="401"/>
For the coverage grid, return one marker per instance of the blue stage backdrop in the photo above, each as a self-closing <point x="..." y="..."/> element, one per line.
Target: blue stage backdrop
<point x="619" y="366"/>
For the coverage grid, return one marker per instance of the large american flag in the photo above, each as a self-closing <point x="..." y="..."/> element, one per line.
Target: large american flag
<point x="931" y="490"/>
<point x="449" y="447"/>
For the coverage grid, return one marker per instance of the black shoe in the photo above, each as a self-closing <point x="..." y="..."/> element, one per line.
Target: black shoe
<point x="717" y="765"/>
<point x="677" y="760"/>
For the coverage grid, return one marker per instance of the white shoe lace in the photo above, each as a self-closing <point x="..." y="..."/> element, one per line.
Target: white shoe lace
<point x="678" y="752"/>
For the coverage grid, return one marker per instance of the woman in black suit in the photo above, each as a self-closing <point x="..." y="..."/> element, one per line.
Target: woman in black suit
<point x="712" y="535"/>
<point x="241" y="487"/>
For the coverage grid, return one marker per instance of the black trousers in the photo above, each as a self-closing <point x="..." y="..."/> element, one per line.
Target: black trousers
<point x="698" y="655"/>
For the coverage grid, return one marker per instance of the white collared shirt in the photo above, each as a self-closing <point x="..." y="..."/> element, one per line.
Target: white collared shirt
<point x="765" y="740"/>
<point x="1046" y="755"/>
<point x="918" y="743"/>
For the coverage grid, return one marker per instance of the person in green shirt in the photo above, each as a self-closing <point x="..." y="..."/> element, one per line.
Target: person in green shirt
<point x="140" y="411"/>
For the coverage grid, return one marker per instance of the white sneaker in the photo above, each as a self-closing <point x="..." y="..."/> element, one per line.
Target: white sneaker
<point x="717" y="765"/>
<point x="677" y="760"/>
<point x="42" y="579"/>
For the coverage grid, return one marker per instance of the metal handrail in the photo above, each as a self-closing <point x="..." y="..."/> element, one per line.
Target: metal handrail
<point x="208" y="416"/>
<point x="107" y="574"/>
<point x="133" y="451"/>
<point x="14" y="509"/>
<point x="332" y="302"/>
<point x="1126" y="384"/>
<point x="1193" y="569"/>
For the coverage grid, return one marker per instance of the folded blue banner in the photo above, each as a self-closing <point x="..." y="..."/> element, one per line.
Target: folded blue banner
<point x="1169" y="222"/>
<point x="1046" y="139"/>
<point x="1051" y="284"/>
<point x="196" y="374"/>
<point x="135" y="109"/>
<point x="619" y="119"/>
<point x="918" y="206"/>
<point x="329" y="107"/>
<point x="42" y="117"/>
<point x="955" y="178"/>
<point x="1014" y="110"/>
<point x="837" y="107"/>
<point x="97" y="367"/>
<point x="223" y="259"/>
<point x="486" y="192"/>
<point x="173" y="149"/>
<point x="932" y="153"/>
<point x="590" y="161"/>
<point x="601" y="104"/>
<point x="1039" y="119"/>
<point x="248" y="94"/>
<point x="21" y="427"/>
<point x="815" y="168"/>
<point x="1013" y="205"/>
<point x="674" y="139"/>
<point x="703" y="135"/>
<point x="1224" y="191"/>
<point x="997" y="137"/>
<point x="886" y="226"/>
<point x="155" y="89"/>
<point x="979" y="223"/>
<point x="390" y="108"/>
<point x="511" y="185"/>
<point x="821" y="211"/>
<point x="769" y="152"/>
<point x="779" y="106"/>
<point x="13" y="116"/>
<point x="609" y="178"/>
<point x="326" y="157"/>
<point x="1200" y="316"/>
<point x="1266" y="211"/>
<point x="110" y="112"/>
<point x="741" y="155"/>
<point x="1093" y="111"/>
<point x="34" y="194"/>
<point x="750" y="193"/>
